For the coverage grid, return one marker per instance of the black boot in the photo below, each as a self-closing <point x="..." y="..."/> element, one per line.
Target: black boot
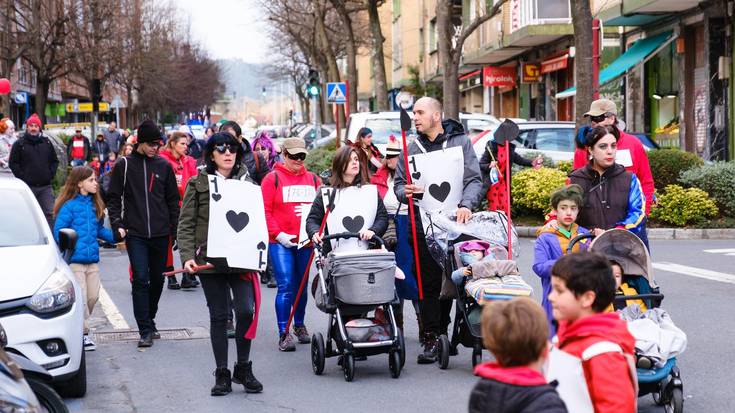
<point x="243" y="374"/>
<point x="187" y="282"/>
<point x="173" y="284"/>
<point x="431" y="349"/>
<point x="222" y="382"/>
<point x="422" y="336"/>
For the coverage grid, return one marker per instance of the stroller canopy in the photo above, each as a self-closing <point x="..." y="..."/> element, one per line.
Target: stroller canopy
<point x="628" y="250"/>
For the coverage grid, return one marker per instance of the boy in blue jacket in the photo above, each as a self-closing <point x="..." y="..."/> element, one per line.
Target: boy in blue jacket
<point x="552" y="243"/>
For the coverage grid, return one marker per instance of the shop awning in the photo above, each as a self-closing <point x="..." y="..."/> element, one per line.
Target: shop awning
<point x="638" y="53"/>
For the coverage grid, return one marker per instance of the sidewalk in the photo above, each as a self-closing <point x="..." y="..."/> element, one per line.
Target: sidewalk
<point x="661" y="233"/>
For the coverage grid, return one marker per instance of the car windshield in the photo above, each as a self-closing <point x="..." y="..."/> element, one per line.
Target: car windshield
<point x="20" y="225"/>
<point x="561" y="139"/>
<point x="383" y="128"/>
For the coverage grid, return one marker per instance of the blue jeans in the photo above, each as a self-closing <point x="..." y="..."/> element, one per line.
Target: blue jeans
<point x="289" y="265"/>
<point x="147" y="261"/>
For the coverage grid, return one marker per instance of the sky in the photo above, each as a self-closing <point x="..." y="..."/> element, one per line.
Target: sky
<point x="227" y="28"/>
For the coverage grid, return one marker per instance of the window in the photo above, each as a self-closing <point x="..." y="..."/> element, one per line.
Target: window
<point x="383" y="128"/>
<point x="560" y="140"/>
<point x="552" y="9"/>
<point x="396" y="9"/>
<point x="432" y="35"/>
<point x="20" y="224"/>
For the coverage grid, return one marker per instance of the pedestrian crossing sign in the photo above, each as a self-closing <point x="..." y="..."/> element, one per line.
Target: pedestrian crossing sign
<point x="336" y="92"/>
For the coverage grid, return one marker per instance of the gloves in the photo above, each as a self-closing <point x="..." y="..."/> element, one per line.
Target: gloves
<point x="285" y="239"/>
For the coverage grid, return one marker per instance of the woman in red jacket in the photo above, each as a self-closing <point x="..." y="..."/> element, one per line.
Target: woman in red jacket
<point x="288" y="191"/>
<point x="184" y="167"/>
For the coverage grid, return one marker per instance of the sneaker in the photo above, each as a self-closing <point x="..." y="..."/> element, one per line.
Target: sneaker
<point x="89" y="344"/>
<point x="302" y="334"/>
<point x="173" y="284"/>
<point x="230" y="329"/>
<point x="222" y="382"/>
<point x="243" y="374"/>
<point x="285" y="342"/>
<point x="431" y="350"/>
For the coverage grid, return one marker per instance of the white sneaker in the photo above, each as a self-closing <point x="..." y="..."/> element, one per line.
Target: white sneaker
<point x="89" y="344"/>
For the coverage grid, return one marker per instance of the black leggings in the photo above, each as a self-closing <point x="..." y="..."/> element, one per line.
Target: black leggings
<point x="216" y="291"/>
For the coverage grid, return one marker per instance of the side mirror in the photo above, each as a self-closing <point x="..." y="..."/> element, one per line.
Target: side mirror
<point x="67" y="242"/>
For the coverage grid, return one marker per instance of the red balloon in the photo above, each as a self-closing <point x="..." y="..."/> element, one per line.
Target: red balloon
<point x="4" y="86"/>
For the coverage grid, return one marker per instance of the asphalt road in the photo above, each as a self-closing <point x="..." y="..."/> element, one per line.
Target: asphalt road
<point x="176" y="375"/>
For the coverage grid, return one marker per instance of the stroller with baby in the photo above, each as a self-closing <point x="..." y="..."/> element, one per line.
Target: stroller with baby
<point x="349" y="286"/>
<point x="663" y="382"/>
<point x="490" y="228"/>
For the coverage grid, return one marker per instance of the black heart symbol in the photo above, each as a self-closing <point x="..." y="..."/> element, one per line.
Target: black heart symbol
<point x="261" y="245"/>
<point x="440" y="192"/>
<point x="238" y="221"/>
<point x="216" y="197"/>
<point x="416" y="175"/>
<point x="353" y="224"/>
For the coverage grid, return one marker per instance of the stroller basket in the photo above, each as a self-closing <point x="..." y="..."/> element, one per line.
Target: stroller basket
<point x="362" y="277"/>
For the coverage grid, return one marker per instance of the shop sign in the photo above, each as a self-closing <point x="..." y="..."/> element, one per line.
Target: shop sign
<point x="493" y="76"/>
<point x="530" y="73"/>
<point x="557" y="63"/>
<point x="86" y="107"/>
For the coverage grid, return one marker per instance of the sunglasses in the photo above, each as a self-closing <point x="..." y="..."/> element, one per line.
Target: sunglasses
<point x="156" y="144"/>
<point x="296" y="157"/>
<point x="391" y="156"/>
<point x="224" y="147"/>
<point x="598" y="118"/>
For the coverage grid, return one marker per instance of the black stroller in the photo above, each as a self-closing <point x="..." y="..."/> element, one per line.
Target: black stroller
<point x="350" y="285"/>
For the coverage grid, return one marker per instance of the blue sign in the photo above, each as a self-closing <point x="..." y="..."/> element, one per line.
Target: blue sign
<point x="337" y="92"/>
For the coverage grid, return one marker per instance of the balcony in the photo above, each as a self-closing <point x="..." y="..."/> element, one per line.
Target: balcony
<point x="643" y="12"/>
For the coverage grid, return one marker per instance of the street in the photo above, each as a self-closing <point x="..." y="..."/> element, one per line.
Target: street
<point x="176" y="374"/>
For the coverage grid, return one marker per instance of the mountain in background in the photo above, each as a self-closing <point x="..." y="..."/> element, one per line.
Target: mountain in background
<point x="242" y="79"/>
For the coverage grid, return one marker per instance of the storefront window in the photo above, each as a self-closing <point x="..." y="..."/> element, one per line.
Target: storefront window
<point x="663" y="97"/>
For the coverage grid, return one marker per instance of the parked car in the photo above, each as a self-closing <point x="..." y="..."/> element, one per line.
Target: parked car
<point x="308" y="134"/>
<point x="329" y="139"/>
<point x="553" y="139"/>
<point x="41" y="305"/>
<point x="384" y="124"/>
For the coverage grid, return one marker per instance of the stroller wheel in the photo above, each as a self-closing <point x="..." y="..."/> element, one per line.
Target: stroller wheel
<point x="317" y="354"/>
<point x="401" y="347"/>
<point x="676" y="401"/>
<point x="476" y="357"/>
<point x="443" y="352"/>
<point x="394" y="363"/>
<point x="348" y="367"/>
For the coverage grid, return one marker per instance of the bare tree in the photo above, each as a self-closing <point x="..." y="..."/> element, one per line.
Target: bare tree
<point x="346" y="9"/>
<point x="451" y="35"/>
<point x="582" y="22"/>
<point x="381" y="82"/>
<point x="13" y="44"/>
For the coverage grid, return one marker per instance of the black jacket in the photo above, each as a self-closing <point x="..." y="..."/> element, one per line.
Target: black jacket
<point x="497" y="397"/>
<point x="101" y="148"/>
<point x="33" y="160"/>
<point x="316" y="216"/>
<point x="608" y="199"/>
<point x="492" y="146"/>
<point x="150" y="196"/>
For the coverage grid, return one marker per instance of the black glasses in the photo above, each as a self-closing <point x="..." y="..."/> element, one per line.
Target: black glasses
<point x="156" y="144"/>
<point x="296" y="157"/>
<point x="390" y="156"/>
<point x="598" y="118"/>
<point x="224" y="147"/>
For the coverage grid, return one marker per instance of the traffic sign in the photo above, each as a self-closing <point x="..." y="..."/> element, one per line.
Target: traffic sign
<point x="86" y="107"/>
<point x="336" y="92"/>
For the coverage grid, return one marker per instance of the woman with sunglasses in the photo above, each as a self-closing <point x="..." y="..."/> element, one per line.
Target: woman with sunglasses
<point x="184" y="167"/>
<point x="287" y="193"/>
<point x="397" y="238"/>
<point x="223" y="157"/>
<point x="613" y="197"/>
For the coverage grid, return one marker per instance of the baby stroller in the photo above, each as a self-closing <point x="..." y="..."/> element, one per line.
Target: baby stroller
<point x="350" y="285"/>
<point x="625" y="248"/>
<point x="466" y="327"/>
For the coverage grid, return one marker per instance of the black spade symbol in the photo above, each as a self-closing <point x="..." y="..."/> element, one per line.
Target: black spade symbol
<point x="238" y="221"/>
<point x="416" y="175"/>
<point x="440" y="192"/>
<point x="353" y="224"/>
<point x="216" y="197"/>
<point x="261" y="246"/>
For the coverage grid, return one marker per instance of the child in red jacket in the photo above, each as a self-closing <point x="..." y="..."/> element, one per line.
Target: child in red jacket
<point x="583" y="286"/>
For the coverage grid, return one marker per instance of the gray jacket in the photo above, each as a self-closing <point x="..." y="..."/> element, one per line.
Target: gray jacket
<point x="455" y="136"/>
<point x="6" y="143"/>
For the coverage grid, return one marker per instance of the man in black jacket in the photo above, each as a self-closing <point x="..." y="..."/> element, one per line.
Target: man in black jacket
<point x="33" y="160"/>
<point x="144" y="208"/>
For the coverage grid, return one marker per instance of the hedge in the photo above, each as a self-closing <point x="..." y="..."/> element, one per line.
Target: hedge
<point x="718" y="180"/>
<point x="667" y="165"/>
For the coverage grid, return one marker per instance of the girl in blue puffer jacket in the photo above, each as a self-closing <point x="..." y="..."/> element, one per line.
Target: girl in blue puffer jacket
<point x="80" y="207"/>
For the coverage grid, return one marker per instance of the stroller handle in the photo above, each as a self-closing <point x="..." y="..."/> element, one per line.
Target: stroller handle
<point x="577" y="239"/>
<point x="347" y="235"/>
<point x="638" y="297"/>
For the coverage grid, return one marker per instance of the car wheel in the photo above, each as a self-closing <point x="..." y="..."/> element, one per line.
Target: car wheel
<point x="77" y="385"/>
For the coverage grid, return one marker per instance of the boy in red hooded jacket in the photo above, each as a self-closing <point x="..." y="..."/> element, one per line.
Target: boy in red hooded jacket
<point x="583" y="286"/>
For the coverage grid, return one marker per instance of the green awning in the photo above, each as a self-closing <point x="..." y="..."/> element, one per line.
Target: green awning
<point x="639" y="52"/>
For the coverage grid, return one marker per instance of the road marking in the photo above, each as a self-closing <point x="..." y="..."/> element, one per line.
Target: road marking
<point x="727" y="251"/>
<point x="695" y="272"/>
<point x="110" y="309"/>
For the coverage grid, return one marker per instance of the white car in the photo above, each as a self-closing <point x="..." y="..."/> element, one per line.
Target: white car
<point x="553" y="139"/>
<point x="384" y="124"/>
<point x="40" y="301"/>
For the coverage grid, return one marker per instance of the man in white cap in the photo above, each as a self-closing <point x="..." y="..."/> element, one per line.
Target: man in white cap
<point x="630" y="154"/>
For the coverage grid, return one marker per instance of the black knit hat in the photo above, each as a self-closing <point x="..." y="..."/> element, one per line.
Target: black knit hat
<point x="148" y="132"/>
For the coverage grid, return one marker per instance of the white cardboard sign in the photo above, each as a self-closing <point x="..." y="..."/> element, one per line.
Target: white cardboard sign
<point x="237" y="227"/>
<point x="354" y="210"/>
<point x="441" y="174"/>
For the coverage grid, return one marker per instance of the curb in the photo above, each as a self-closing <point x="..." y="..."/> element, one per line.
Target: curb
<point x="661" y="233"/>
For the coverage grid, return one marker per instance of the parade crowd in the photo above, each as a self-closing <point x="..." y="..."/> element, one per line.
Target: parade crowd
<point x="155" y="190"/>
